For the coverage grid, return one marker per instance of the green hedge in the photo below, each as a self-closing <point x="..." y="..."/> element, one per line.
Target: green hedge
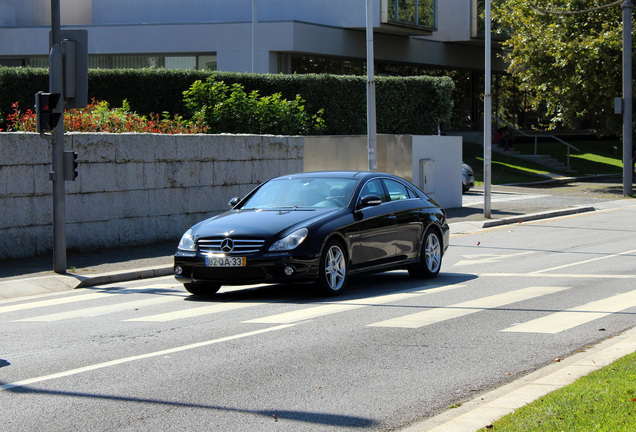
<point x="405" y="105"/>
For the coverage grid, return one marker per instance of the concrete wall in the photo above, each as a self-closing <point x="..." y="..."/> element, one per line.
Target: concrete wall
<point x="399" y="155"/>
<point x="132" y="188"/>
<point x="145" y="188"/>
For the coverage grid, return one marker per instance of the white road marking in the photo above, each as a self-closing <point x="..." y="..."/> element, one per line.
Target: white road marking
<point x="347" y="305"/>
<point x="584" y="262"/>
<point x="101" y="310"/>
<point x="559" y="275"/>
<point x="478" y="200"/>
<point x="195" y="312"/>
<point x="432" y="316"/>
<point x="139" y="357"/>
<point x="79" y="298"/>
<point x="487" y="258"/>
<point x="569" y="318"/>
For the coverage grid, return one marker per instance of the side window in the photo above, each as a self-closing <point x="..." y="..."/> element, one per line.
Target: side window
<point x="397" y="191"/>
<point x="374" y="187"/>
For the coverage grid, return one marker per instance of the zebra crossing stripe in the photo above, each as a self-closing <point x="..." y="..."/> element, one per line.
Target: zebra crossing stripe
<point x="195" y="312"/>
<point x="101" y="310"/>
<point x="439" y="314"/>
<point x="342" y="306"/>
<point x="78" y="298"/>
<point x="569" y="318"/>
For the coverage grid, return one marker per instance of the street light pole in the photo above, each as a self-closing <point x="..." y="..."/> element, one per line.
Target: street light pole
<point x="371" y="118"/>
<point x="628" y="163"/>
<point x="487" y="116"/>
<point x="254" y="34"/>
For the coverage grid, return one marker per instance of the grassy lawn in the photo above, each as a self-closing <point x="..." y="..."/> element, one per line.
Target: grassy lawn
<point x="605" y="400"/>
<point x="593" y="157"/>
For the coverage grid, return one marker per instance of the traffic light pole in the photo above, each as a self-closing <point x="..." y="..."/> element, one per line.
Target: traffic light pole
<point x="56" y="85"/>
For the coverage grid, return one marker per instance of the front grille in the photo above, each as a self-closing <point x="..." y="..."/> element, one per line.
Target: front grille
<point x="241" y="246"/>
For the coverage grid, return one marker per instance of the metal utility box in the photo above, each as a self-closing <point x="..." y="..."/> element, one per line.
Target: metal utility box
<point x="427" y="176"/>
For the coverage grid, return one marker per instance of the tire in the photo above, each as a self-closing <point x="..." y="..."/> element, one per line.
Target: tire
<point x="430" y="257"/>
<point x="202" y="289"/>
<point x="333" y="271"/>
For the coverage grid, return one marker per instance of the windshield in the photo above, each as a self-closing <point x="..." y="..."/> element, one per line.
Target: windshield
<point x="302" y="192"/>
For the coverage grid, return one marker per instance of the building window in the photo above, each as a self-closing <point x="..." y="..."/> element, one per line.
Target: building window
<point x="193" y="62"/>
<point x="418" y="13"/>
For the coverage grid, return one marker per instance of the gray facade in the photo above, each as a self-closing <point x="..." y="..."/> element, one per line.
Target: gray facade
<point x="217" y="34"/>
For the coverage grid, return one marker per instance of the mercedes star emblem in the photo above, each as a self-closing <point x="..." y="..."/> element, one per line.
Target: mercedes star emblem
<point x="227" y="245"/>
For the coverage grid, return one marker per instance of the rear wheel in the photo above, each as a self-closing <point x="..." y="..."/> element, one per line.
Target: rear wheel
<point x="333" y="269"/>
<point x="202" y="289"/>
<point x="430" y="257"/>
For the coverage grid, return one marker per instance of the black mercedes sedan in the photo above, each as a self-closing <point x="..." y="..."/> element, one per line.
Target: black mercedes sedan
<point x="318" y="227"/>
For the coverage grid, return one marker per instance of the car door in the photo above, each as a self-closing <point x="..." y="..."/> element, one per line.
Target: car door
<point x="410" y="218"/>
<point x="375" y="229"/>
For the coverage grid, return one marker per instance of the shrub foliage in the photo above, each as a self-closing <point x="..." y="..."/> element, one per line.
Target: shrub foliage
<point x="99" y="117"/>
<point x="405" y="105"/>
<point x="226" y="108"/>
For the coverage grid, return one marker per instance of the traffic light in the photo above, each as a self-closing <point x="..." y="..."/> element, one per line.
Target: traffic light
<point x="70" y="165"/>
<point x="45" y="107"/>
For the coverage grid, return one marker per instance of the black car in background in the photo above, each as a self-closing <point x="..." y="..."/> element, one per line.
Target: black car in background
<point x="317" y="227"/>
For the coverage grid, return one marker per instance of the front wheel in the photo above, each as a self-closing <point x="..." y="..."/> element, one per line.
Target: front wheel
<point x="332" y="277"/>
<point x="202" y="289"/>
<point x="430" y="257"/>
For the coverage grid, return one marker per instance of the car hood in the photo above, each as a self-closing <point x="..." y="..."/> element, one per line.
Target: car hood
<point x="258" y="223"/>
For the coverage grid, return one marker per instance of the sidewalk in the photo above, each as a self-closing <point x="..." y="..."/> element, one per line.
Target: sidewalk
<point x="509" y="205"/>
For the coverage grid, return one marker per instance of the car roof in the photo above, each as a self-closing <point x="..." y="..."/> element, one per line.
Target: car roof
<point x="341" y="174"/>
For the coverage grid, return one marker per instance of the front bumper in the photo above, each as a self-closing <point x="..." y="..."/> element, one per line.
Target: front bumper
<point x="267" y="268"/>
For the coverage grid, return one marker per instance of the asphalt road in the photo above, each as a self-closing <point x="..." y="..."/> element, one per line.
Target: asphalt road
<point x="390" y="352"/>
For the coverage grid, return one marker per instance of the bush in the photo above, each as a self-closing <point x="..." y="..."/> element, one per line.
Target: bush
<point x="99" y="117"/>
<point x="411" y="105"/>
<point x="229" y="109"/>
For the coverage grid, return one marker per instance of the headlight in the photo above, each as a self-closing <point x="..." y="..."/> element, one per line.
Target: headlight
<point x="290" y="242"/>
<point x="187" y="242"/>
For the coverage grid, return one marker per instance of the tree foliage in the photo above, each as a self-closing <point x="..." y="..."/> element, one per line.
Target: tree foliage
<point x="568" y="55"/>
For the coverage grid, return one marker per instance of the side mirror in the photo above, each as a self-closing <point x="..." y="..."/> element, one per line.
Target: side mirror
<point x="234" y="201"/>
<point x="369" y="201"/>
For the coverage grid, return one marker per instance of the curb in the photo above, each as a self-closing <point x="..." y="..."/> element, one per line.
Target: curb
<point x="537" y="216"/>
<point x="114" y="277"/>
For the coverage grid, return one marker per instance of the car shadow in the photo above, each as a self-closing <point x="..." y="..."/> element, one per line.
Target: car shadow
<point x="358" y="287"/>
<point x="282" y="414"/>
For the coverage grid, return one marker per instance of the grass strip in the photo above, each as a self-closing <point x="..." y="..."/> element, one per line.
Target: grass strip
<point x="604" y="400"/>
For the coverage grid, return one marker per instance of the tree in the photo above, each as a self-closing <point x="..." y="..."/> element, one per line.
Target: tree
<point x="568" y="55"/>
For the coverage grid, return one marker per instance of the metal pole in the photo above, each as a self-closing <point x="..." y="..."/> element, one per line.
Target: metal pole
<point x="56" y="85"/>
<point x="628" y="163"/>
<point x="487" y="117"/>
<point x="371" y="118"/>
<point x="254" y="27"/>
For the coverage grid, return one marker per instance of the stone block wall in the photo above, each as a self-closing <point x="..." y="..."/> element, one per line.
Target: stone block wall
<point x="131" y="188"/>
